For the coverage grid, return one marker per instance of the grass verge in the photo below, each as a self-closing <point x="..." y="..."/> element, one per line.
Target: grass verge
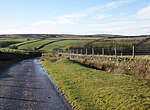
<point x="90" y="89"/>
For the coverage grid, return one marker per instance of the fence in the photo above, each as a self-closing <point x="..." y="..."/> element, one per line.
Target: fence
<point x="116" y="51"/>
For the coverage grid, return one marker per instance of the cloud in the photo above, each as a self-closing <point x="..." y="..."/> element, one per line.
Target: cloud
<point x="126" y="27"/>
<point x="96" y="12"/>
<point x="144" y="12"/>
<point x="118" y="3"/>
<point x="108" y="6"/>
<point x="43" y="22"/>
<point x="63" y="19"/>
<point x="68" y="18"/>
<point x="102" y="16"/>
<point x="80" y="22"/>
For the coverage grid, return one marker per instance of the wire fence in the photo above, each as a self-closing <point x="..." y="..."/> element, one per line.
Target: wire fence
<point x="111" y="46"/>
<point x="116" y="51"/>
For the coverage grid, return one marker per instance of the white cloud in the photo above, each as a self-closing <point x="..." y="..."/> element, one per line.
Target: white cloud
<point x="103" y="8"/>
<point x="43" y="22"/>
<point x="96" y="12"/>
<point x="127" y="27"/>
<point x="76" y="23"/>
<point x="102" y="16"/>
<point x="118" y="3"/>
<point x="63" y="19"/>
<point x="144" y="13"/>
<point x="68" y="18"/>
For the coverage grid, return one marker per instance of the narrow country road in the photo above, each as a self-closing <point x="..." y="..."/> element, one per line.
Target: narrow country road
<point x="26" y="86"/>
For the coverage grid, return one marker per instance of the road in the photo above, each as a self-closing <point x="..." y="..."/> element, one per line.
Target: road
<point x="26" y="86"/>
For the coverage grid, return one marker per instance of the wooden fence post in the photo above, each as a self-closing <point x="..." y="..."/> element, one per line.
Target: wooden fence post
<point x="81" y="51"/>
<point x="115" y="51"/>
<point x="77" y="51"/>
<point x="121" y="54"/>
<point x="92" y="51"/>
<point x="103" y="51"/>
<point x="133" y="52"/>
<point x="86" y="52"/>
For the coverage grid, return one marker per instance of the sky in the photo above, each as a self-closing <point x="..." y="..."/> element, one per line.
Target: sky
<point x="122" y="17"/>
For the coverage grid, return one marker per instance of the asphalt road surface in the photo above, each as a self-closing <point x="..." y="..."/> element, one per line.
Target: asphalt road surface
<point x="26" y="86"/>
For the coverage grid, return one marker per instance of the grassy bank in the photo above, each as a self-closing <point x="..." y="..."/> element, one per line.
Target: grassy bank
<point x="90" y="89"/>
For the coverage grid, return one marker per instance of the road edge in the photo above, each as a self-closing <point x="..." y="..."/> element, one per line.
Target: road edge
<point x="64" y="100"/>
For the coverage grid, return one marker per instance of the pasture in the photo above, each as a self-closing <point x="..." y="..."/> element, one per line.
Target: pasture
<point x="34" y="45"/>
<point x="65" y="44"/>
<point x="9" y="41"/>
<point x="88" y="88"/>
<point x="123" y="45"/>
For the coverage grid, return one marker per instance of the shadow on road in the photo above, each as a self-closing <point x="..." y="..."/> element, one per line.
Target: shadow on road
<point x="2" y="76"/>
<point x="18" y="99"/>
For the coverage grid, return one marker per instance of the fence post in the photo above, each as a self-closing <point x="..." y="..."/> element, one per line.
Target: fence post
<point x="115" y="51"/>
<point x="103" y="51"/>
<point x="86" y="52"/>
<point x="97" y="53"/>
<point x="121" y="53"/>
<point x="92" y="51"/>
<point x="81" y="51"/>
<point x="133" y="52"/>
<point x="77" y="51"/>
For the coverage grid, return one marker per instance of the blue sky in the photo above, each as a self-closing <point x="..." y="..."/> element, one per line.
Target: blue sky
<point x="126" y="17"/>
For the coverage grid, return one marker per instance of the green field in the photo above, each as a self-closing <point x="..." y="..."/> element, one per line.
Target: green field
<point x="34" y="45"/>
<point x="61" y="44"/>
<point x="64" y="44"/>
<point x="123" y="45"/>
<point x="9" y="41"/>
<point x="116" y="42"/>
<point x="25" y="42"/>
<point x="90" y="89"/>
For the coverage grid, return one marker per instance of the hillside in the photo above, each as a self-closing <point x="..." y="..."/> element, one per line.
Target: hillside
<point x="67" y="36"/>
